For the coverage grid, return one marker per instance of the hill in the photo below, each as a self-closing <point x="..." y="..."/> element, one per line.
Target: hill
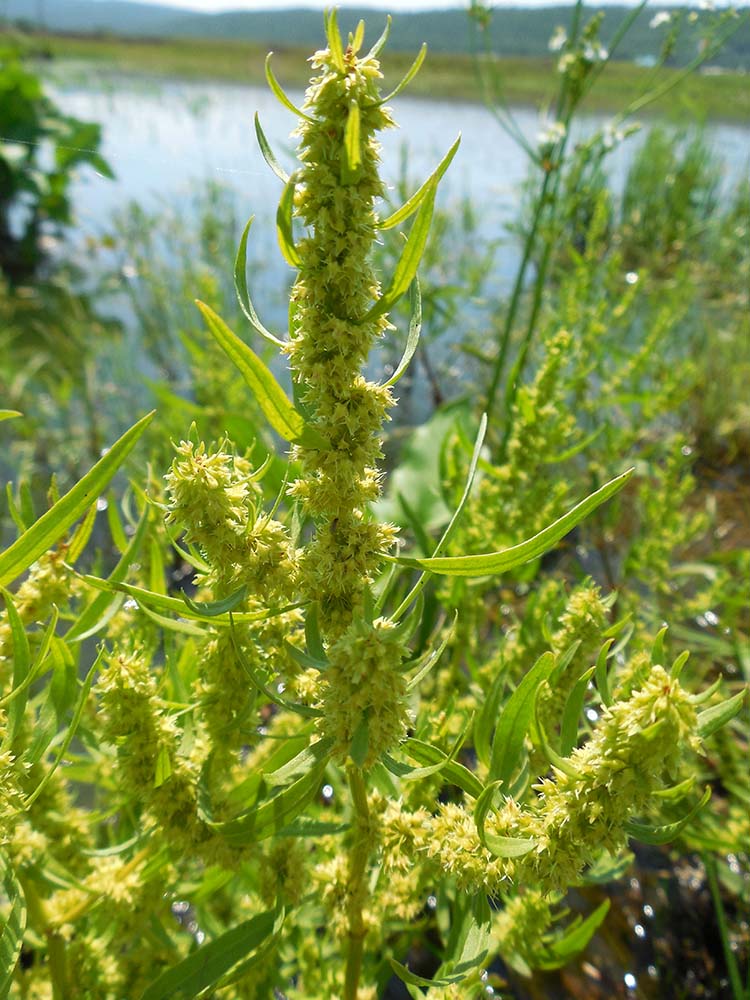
<point x="513" y="31"/>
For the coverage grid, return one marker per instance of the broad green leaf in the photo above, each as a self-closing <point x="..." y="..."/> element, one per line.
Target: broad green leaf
<point x="410" y="206"/>
<point x="411" y="255"/>
<point x="576" y="939"/>
<point x="12" y="928"/>
<point x="284" y="227"/>
<point x="240" y="287"/>
<point x="275" y="86"/>
<point x="51" y="526"/>
<point x="277" y="409"/>
<point x="666" y="832"/>
<point x="515" y="719"/>
<point x="517" y="555"/>
<point x="711" y="719"/>
<point x="272" y="815"/>
<point x="85" y="688"/>
<point x="94" y="616"/>
<point x="352" y="144"/>
<point x="268" y="156"/>
<point x="412" y="338"/>
<point x="205" y="966"/>
<point x="411" y="73"/>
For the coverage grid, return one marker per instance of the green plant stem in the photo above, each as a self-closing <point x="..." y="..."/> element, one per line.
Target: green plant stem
<point x="357" y="883"/>
<point x="738" y="991"/>
<point x="56" y="956"/>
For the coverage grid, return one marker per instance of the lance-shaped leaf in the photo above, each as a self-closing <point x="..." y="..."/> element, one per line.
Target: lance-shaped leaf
<point x="205" y="967"/>
<point x="277" y="408"/>
<point x="301" y="764"/>
<point x="13" y="926"/>
<point x="96" y="614"/>
<point x="271" y="816"/>
<point x="330" y="19"/>
<point x="402" y="770"/>
<point x="711" y="719"/>
<point x="515" y="720"/>
<point x="409" y="207"/>
<point x="497" y="562"/>
<point x="666" y="832"/>
<point x="500" y="846"/>
<point x="9" y="414"/>
<point x="352" y="145"/>
<point x="284" y="227"/>
<point x="279" y="94"/>
<point x="575" y="939"/>
<point x="51" y="526"/>
<point x="243" y="296"/>
<point x="21" y="682"/>
<point x="378" y="46"/>
<point x="410" y="74"/>
<point x="452" y="771"/>
<point x="210" y="609"/>
<point x="267" y="152"/>
<point x="80" y="705"/>
<point x="411" y="255"/>
<point x="21" y="664"/>
<point x="412" y="339"/>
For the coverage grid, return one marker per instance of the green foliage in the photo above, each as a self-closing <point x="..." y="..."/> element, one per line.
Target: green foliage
<point x="254" y="786"/>
<point x="34" y="195"/>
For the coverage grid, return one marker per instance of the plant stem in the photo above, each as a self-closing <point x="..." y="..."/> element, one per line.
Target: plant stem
<point x="738" y="991"/>
<point x="56" y="957"/>
<point x="357" y="884"/>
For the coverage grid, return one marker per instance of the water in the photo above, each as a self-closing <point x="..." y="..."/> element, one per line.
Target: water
<point x="162" y="137"/>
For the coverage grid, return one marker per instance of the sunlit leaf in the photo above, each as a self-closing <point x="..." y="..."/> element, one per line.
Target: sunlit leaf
<point x="413" y="203"/>
<point x="267" y="152"/>
<point x="243" y="295"/>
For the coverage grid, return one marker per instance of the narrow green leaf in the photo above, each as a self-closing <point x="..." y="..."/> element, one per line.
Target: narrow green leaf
<point x="488" y="712"/>
<point x="515" y="720"/>
<point x="284" y="227"/>
<point x="13" y="927"/>
<point x="300" y="765"/>
<point x="312" y="633"/>
<point x="378" y="46"/>
<point x="94" y="615"/>
<point x="428" y="661"/>
<point x="178" y="625"/>
<point x="572" y="712"/>
<point x="507" y="847"/>
<point x="9" y="414"/>
<point x="274" y="697"/>
<point x="80" y="536"/>
<point x="352" y="144"/>
<point x="360" y="742"/>
<point x="272" y="815"/>
<point x="204" y="967"/>
<point x="21" y="664"/>
<point x="412" y="339"/>
<point x="517" y="555"/>
<point x="411" y="73"/>
<point x="81" y="704"/>
<point x="409" y="207"/>
<point x="411" y="255"/>
<point x="33" y="672"/>
<point x="277" y="409"/>
<point x="267" y="152"/>
<point x="418" y="773"/>
<point x="334" y="40"/>
<point x="576" y="939"/>
<point x="711" y="719"/>
<point x="210" y="609"/>
<point x="275" y="86"/>
<point x="15" y="513"/>
<point x="116" y="529"/>
<point x="358" y="37"/>
<point x="667" y="832"/>
<point x="51" y="526"/>
<point x="452" y="771"/>
<point x="243" y="295"/>
<point x="601" y="674"/>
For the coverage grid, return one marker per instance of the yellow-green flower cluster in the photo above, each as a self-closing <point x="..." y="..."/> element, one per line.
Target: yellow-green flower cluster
<point x="364" y="687"/>
<point x="213" y="495"/>
<point x="520" y="926"/>
<point x="634" y="749"/>
<point x="331" y="335"/>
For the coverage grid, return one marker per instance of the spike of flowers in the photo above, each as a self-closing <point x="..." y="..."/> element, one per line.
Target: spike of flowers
<point x="331" y="336"/>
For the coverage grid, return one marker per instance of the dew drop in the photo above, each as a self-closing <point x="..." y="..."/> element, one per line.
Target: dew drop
<point x="327" y="793"/>
<point x="711" y="618"/>
<point x="102" y="504"/>
<point x="130" y="604"/>
<point x="432" y="902"/>
<point x="591" y="714"/>
<point x="631" y="277"/>
<point x="200" y="937"/>
<point x="648" y="910"/>
<point x="630" y="981"/>
<point x="640" y="931"/>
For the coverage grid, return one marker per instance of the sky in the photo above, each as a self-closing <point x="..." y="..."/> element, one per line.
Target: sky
<point x="391" y="6"/>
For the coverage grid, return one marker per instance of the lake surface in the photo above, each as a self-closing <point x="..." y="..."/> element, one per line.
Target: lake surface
<point x="164" y="138"/>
